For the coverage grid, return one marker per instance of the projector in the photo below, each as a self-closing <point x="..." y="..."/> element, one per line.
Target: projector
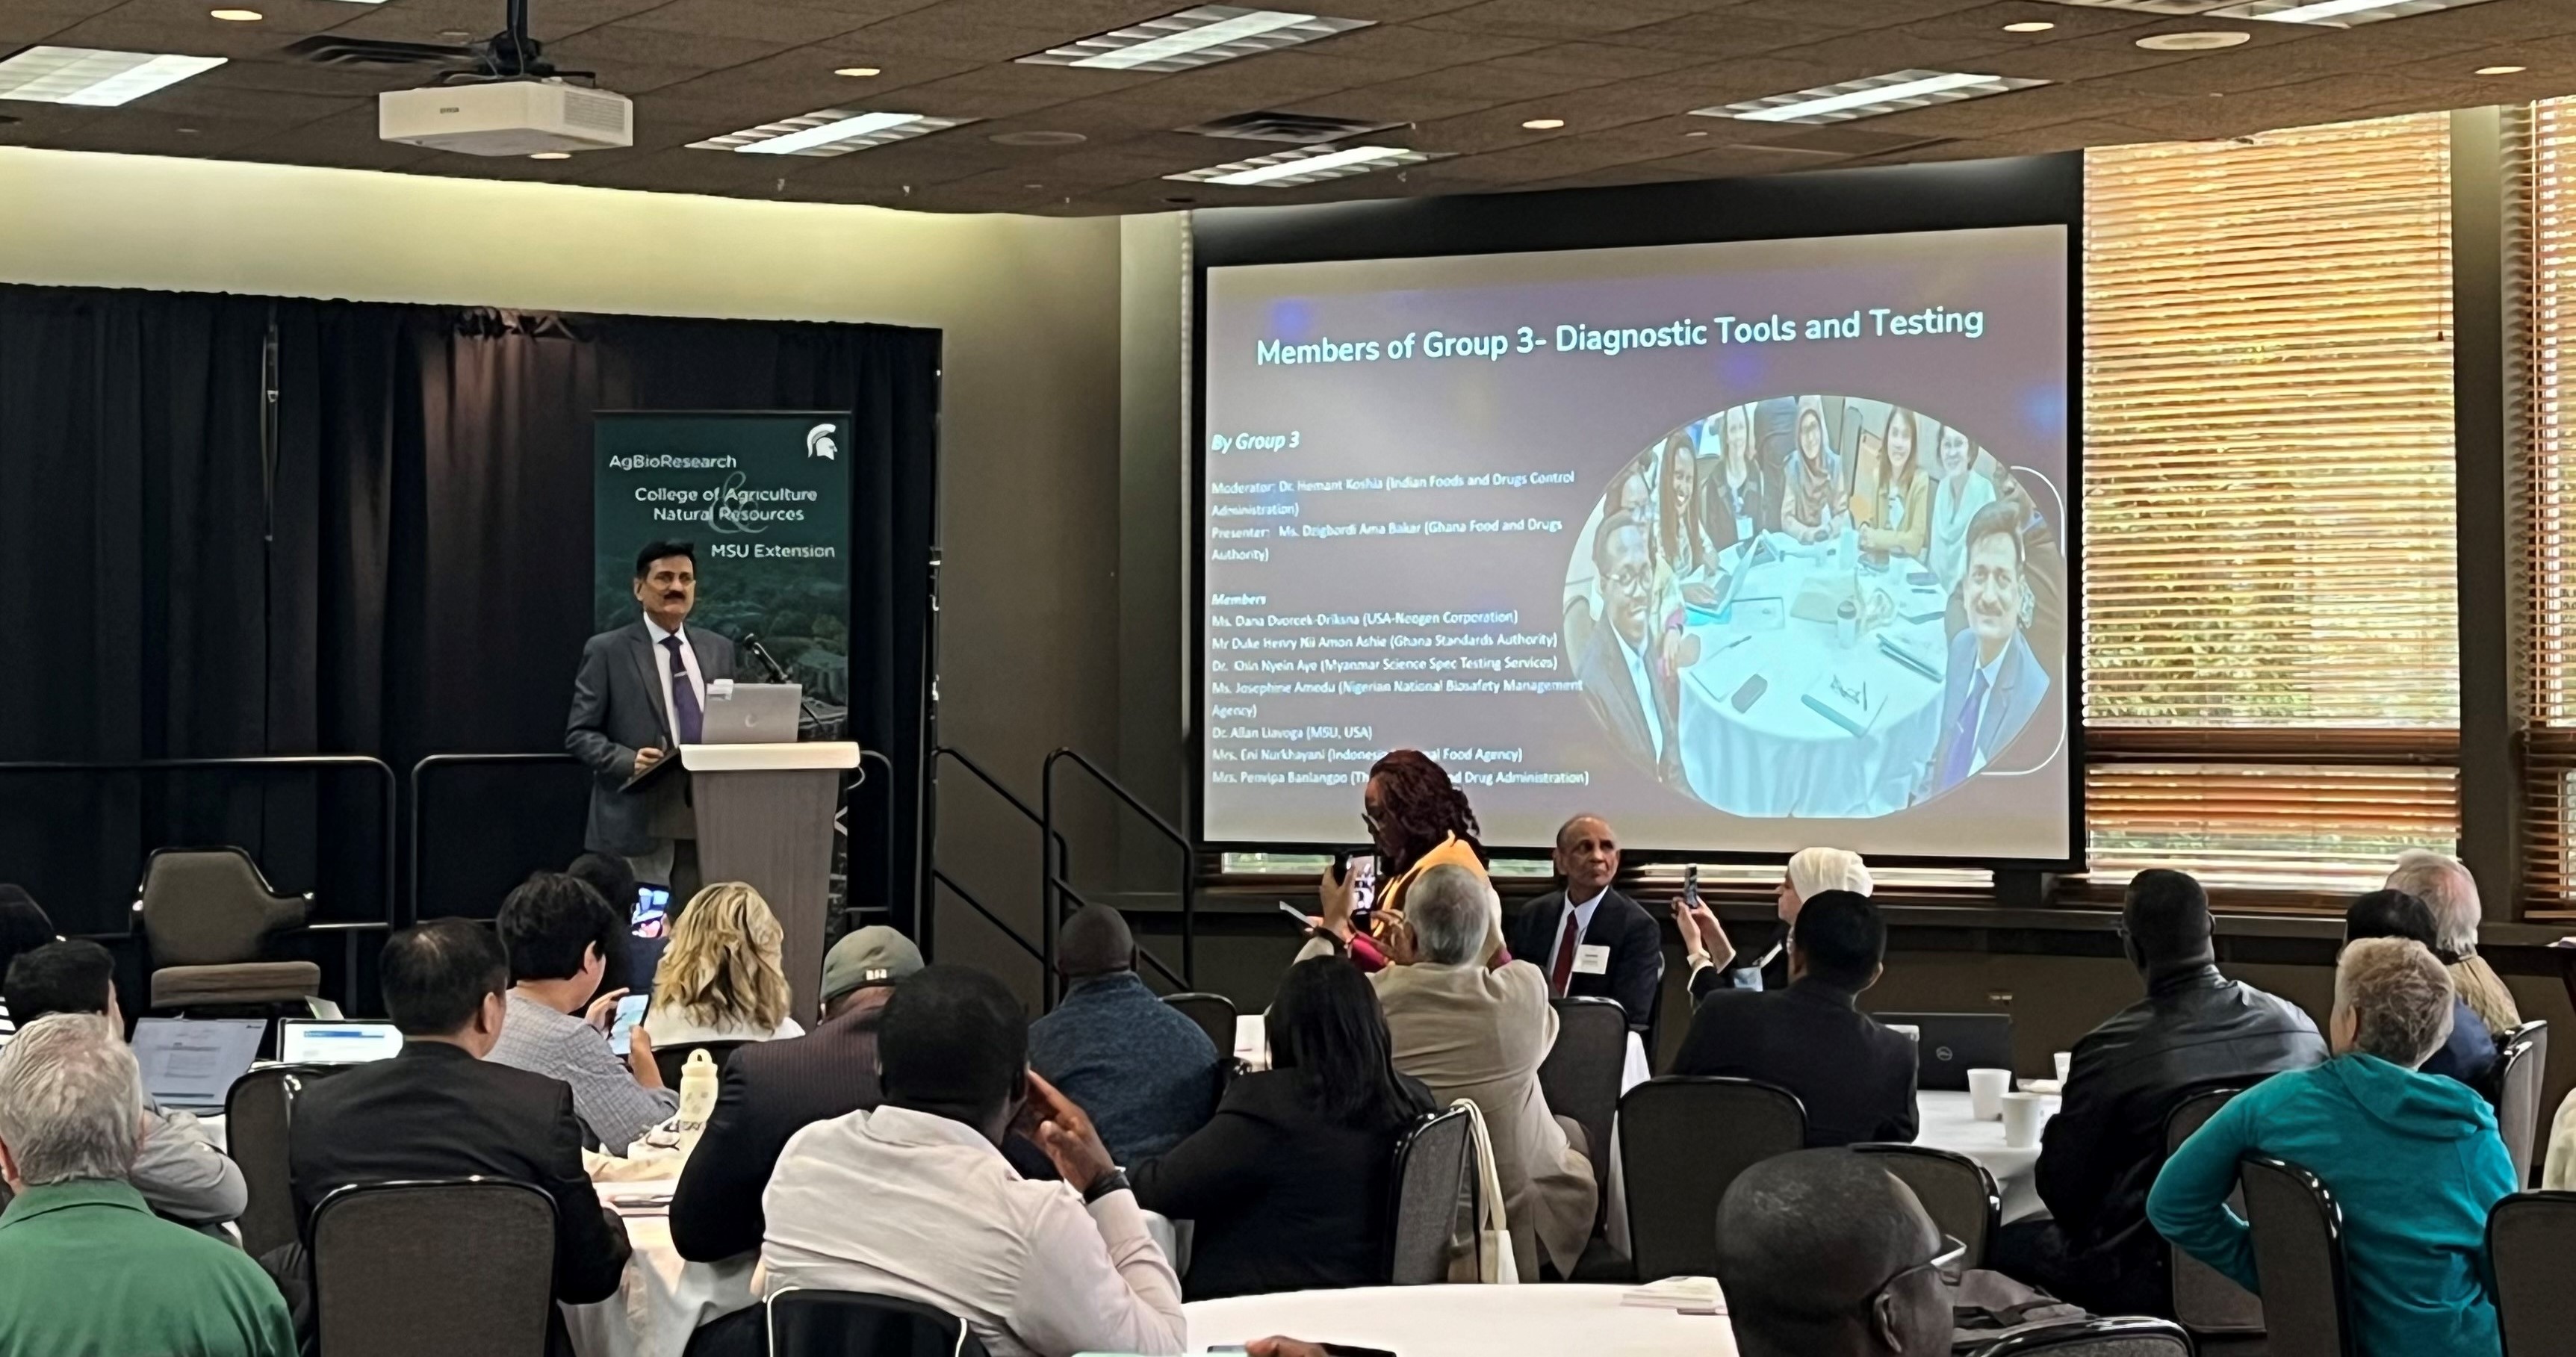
<point x="506" y="117"/>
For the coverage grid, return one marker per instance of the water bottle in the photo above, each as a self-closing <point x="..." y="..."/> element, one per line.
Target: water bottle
<point x="697" y="1097"/>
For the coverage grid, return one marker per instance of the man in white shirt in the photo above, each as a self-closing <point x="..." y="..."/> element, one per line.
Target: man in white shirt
<point x="913" y="1199"/>
<point x="640" y="695"/>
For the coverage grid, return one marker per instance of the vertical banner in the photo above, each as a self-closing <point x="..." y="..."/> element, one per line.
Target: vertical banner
<point x="766" y="498"/>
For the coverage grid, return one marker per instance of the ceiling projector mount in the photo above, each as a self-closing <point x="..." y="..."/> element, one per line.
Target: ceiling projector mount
<point x="510" y="101"/>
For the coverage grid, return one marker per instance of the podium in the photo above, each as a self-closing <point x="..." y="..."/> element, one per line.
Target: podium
<point x="764" y="816"/>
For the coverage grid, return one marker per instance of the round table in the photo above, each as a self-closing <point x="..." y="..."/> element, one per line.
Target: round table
<point x="1464" y="1321"/>
<point x="1947" y="1121"/>
<point x="1778" y="756"/>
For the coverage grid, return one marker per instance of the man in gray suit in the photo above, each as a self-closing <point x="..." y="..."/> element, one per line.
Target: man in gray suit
<point x="641" y="694"/>
<point x="1994" y="684"/>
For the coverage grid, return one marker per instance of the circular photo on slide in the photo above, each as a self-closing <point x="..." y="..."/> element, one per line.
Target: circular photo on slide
<point x="1824" y="607"/>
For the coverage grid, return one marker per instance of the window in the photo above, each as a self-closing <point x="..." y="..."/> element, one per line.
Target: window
<point x="2270" y="587"/>
<point x="2545" y="156"/>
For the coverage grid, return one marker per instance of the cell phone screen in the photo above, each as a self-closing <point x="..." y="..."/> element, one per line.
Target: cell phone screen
<point x="1363" y="879"/>
<point x="630" y="1011"/>
<point x="1690" y="883"/>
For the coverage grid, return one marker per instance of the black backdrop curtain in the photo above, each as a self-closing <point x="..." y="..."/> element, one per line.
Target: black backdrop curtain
<point x="400" y="567"/>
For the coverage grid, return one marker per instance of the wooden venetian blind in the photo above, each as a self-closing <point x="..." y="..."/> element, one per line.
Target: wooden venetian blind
<point x="2271" y="666"/>
<point x="2543" y="260"/>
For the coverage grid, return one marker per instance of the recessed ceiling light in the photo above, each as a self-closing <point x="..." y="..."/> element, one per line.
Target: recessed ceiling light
<point x="93" y="78"/>
<point x="827" y="132"/>
<point x="2148" y="6"/>
<point x="236" y="16"/>
<point x="1037" y="138"/>
<point x="1312" y="164"/>
<point x="858" y="72"/>
<point x="2335" y="13"/>
<point x="2208" y="41"/>
<point x="1194" y="37"/>
<point x="1894" y="92"/>
<point x="2029" y="26"/>
<point x="2501" y="70"/>
<point x="549" y="155"/>
<point x="1544" y="124"/>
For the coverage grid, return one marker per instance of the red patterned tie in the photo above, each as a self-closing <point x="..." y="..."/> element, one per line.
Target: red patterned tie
<point x="1562" y="974"/>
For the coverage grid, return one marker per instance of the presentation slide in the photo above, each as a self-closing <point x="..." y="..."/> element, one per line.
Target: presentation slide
<point x="1745" y="546"/>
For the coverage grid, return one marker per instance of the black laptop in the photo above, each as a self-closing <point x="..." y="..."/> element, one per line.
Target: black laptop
<point x="1954" y="1043"/>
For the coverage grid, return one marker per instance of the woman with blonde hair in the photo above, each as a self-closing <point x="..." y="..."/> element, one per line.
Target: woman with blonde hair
<point x="721" y="978"/>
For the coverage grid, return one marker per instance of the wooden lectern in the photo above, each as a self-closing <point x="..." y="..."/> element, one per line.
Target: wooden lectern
<point x="764" y="816"/>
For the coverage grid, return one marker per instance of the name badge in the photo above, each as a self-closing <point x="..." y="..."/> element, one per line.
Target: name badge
<point x="1591" y="961"/>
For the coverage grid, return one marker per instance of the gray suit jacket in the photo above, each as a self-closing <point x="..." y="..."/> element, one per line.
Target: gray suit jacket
<point x="616" y="710"/>
<point x="2020" y="685"/>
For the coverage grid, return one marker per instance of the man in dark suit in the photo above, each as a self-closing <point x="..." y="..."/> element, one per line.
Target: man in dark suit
<point x="770" y="1090"/>
<point x="640" y="695"/>
<point x="1626" y="675"/>
<point x="1855" y="1077"/>
<point x="1592" y="941"/>
<point x="1994" y="684"/>
<point x="439" y="1110"/>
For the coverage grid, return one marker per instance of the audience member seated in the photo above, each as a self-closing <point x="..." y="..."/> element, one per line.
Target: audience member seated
<point x="2443" y="883"/>
<point x="179" y="1171"/>
<point x="23" y="928"/>
<point x="85" y="1271"/>
<point x="1822" y="1253"/>
<point x="630" y="959"/>
<point x="559" y="1021"/>
<point x="2412" y="1159"/>
<point x="722" y="978"/>
<point x="1145" y="1072"/>
<point x="1417" y="819"/>
<point x="913" y="1198"/>
<point x="2195" y="1030"/>
<point x="1855" y="1077"/>
<point x="1595" y="942"/>
<point x="1469" y="1029"/>
<point x="1289" y="1185"/>
<point x="771" y="1091"/>
<point x="1811" y="872"/>
<point x="2469" y="1053"/>
<point x="440" y="1108"/>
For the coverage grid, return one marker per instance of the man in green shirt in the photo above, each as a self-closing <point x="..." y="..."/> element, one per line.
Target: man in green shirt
<point x="86" y="1269"/>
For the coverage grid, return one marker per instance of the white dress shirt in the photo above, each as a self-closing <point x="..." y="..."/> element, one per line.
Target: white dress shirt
<point x="1645" y="691"/>
<point x="904" y="1203"/>
<point x="1580" y="920"/>
<point x="662" y="666"/>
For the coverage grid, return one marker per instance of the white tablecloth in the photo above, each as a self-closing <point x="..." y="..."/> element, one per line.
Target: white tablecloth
<point x="1948" y="1123"/>
<point x="1465" y="1321"/>
<point x="1777" y="756"/>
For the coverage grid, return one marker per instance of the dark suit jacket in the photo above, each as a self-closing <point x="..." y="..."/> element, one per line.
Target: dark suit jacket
<point x="2020" y="686"/>
<point x="1284" y="1199"/>
<point x="1611" y="689"/>
<point x="1855" y="1077"/>
<point x="768" y="1092"/>
<point x="435" y="1111"/>
<point x="1618" y="923"/>
<point x="616" y="710"/>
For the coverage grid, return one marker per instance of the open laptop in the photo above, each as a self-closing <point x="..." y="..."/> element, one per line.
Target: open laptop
<point x="189" y="1064"/>
<point x="336" y="1043"/>
<point x="752" y="713"/>
<point x="1954" y="1043"/>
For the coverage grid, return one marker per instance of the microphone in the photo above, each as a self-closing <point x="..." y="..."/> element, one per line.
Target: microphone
<point x="777" y="671"/>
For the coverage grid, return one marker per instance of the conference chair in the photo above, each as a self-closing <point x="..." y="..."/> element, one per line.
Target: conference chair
<point x="2527" y="1236"/>
<point x="2206" y="1300"/>
<point x="1214" y="1013"/>
<point x="258" y="1109"/>
<point x="434" y="1268"/>
<point x="1683" y="1139"/>
<point x="1435" y="1176"/>
<point x="669" y="1059"/>
<point x="1580" y="1075"/>
<point x="2130" y="1337"/>
<point x="208" y="915"/>
<point x="2522" y="1060"/>
<point x="1956" y="1191"/>
<point x="2298" y="1253"/>
<point x="811" y="1323"/>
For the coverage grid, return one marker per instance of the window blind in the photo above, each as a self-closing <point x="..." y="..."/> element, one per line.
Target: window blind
<point x="2542" y="251"/>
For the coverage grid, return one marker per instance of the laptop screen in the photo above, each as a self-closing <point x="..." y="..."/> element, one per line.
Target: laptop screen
<point x="191" y="1063"/>
<point x="337" y="1043"/>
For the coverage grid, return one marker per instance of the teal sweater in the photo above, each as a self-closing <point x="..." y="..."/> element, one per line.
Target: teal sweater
<point x="2415" y="1163"/>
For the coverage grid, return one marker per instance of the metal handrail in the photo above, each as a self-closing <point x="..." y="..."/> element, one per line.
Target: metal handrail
<point x="1052" y="875"/>
<point x="1046" y="957"/>
<point x="940" y="878"/>
<point x="411" y="848"/>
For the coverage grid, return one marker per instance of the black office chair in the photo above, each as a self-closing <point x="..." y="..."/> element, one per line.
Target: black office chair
<point x="1580" y="1075"/>
<point x="2206" y="1300"/>
<point x="2527" y="1236"/>
<point x="258" y="1108"/>
<point x="1956" y="1191"/>
<point x="1435" y="1177"/>
<point x="1214" y="1013"/>
<point x="209" y="916"/>
<point x="434" y="1269"/>
<point x="2522" y="1061"/>
<point x="804" y="1323"/>
<point x="669" y="1059"/>
<point x="1682" y="1142"/>
<point x="2298" y="1253"/>
<point x="2129" y="1337"/>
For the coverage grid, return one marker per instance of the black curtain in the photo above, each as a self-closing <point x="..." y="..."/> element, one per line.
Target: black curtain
<point x="398" y="565"/>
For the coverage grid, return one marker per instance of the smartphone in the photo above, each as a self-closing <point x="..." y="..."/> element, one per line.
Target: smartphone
<point x="1751" y="692"/>
<point x="1690" y="884"/>
<point x="652" y="913"/>
<point x="1362" y="876"/>
<point x="630" y="1011"/>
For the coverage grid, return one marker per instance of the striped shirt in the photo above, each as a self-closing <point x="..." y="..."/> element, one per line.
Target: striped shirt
<point x="558" y="1045"/>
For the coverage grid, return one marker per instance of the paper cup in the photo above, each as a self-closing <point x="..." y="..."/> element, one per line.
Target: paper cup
<point x="1908" y="1031"/>
<point x="1986" y="1089"/>
<point x="2065" y="1067"/>
<point x="2024" y="1114"/>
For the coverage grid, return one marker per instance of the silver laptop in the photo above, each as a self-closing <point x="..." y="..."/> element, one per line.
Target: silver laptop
<point x="336" y="1043"/>
<point x="189" y="1064"/>
<point x="752" y="713"/>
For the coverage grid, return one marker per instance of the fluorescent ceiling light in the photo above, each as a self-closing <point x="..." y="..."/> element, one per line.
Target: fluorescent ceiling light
<point x="1309" y="165"/>
<point x="2149" y="6"/>
<point x="827" y="132"/>
<point x="2335" y="13"/>
<point x="92" y="78"/>
<point x="1194" y="37"/>
<point x="1891" y="93"/>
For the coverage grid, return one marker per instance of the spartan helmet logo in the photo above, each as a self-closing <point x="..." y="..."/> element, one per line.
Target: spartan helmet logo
<point x="818" y="443"/>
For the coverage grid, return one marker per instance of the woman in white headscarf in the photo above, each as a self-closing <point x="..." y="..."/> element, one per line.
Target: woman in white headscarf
<point x="1812" y="871"/>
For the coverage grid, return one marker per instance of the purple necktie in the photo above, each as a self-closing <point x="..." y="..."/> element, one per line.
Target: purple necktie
<point x="1963" y="739"/>
<point x="684" y="698"/>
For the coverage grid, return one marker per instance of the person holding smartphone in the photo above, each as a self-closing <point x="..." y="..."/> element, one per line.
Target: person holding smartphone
<point x="1417" y="819"/>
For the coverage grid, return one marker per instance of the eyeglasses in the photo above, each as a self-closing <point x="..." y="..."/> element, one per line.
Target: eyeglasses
<point x="1952" y="1254"/>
